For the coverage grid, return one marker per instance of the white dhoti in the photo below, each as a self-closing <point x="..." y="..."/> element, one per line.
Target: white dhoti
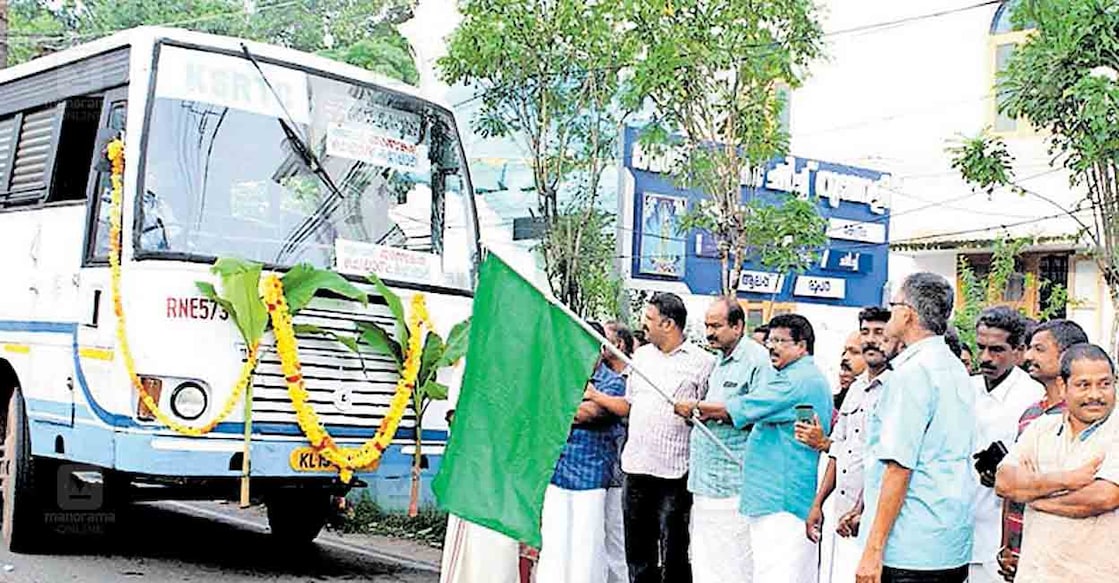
<point x="476" y="554"/>
<point x="846" y="554"/>
<point x="573" y="536"/>
<point x="720" y="541"/>
<point x="782" y="552"/>
<point x="987" y="572"/>
<point x="827" y="541"/>
<point x="617" y="569"/>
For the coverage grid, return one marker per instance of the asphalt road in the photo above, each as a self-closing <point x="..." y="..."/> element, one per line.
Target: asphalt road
<point x="205" y="543"/>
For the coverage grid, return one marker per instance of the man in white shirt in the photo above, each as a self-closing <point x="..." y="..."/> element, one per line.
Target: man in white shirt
<point x="1003" y="391"/>
<point x="846" y="448"/>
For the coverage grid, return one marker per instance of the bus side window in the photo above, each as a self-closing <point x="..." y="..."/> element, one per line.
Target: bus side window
<point x="103" y="190"/>
<point x="76" y="141"/>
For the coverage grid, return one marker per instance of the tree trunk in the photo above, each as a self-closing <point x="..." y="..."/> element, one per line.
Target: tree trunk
<point x="1113" y="340"/>
<point x="417" y="458"/>
<point x="3" y="33"/>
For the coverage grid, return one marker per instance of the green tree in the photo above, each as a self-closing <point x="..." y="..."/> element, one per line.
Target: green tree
<point x="978" y="293"/>
<point x="547" y="75"/>
<point x="1063" y="81"/>
<point x="713" y="73"/>
<point x="360" y="33"/>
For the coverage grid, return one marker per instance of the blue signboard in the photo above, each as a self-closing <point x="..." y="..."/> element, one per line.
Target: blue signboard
<point x="855" y="202"/>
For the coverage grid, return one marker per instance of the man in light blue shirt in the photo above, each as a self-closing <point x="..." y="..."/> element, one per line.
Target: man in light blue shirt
<point x="720" y="549"/>
<point x="779" y="476"/>
<point x="919" y="496"/>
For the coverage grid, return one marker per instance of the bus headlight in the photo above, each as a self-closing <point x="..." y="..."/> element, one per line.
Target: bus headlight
<point x="189" y="401"/>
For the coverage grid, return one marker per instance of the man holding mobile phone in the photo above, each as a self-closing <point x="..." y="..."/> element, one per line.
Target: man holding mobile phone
<point x="846" y="450"/>
<point x="1003" y="392"/>
<point x="779" y="476"/>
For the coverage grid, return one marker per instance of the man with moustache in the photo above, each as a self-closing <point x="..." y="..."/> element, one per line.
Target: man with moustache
<point x="1066" y="469"/>
<point x="851" y="365"/>
<point x="1043" y="363"/>
<point x="1003" y="392"/>
<point x="779" y="479"/>
<point x="919" y="490"/>
<point x="657" y="503"/>
<point x="846" y="448"/>
<point x="719" y="549"/>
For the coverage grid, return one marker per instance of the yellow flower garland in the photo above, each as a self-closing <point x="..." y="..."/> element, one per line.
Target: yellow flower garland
<point x="116" y="157"/>
<point x="369" y="453"/>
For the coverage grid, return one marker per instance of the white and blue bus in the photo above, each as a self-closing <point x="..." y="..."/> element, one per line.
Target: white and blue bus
<point x="233" y="149"/>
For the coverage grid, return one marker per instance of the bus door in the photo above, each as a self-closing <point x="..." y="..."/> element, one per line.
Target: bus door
<point x="96" y="322"/>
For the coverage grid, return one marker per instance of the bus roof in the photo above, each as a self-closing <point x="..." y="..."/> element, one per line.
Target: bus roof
<point x="148" y="35"/>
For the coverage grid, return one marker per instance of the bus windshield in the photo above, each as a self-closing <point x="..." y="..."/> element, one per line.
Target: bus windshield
<point x="224" y="177"/>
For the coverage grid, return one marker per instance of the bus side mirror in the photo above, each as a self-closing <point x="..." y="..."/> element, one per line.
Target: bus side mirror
<point x="100" y="151"/>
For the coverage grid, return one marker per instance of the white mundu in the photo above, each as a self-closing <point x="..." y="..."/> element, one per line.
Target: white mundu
<point x="476" y="554"/>
<point x="720" y="549"/>
<point x="573" y="532"/>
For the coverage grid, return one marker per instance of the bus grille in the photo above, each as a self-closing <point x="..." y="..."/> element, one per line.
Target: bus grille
<point x="346" y="388"/>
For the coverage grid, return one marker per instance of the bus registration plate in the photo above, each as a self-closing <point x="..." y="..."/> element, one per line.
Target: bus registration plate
<point x="306" y="459"/>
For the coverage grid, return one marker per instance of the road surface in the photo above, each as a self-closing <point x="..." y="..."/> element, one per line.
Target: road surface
<point x="206" y="542"/>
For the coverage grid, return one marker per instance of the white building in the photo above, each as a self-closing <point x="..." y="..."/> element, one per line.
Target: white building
<point x="893" y="97"/>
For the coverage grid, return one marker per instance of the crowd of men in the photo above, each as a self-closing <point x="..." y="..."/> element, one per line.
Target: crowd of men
<point x="914" y="470"/>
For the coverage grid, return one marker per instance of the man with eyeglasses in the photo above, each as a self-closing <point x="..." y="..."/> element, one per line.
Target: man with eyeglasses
<point x="919" y="493"/>
<point x="779" y="476"/>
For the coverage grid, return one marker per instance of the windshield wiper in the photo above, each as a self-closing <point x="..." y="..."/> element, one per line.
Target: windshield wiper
<point x="302" y="149"/>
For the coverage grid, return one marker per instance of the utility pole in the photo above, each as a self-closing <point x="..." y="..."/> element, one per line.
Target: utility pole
<point x="3" y="33"/>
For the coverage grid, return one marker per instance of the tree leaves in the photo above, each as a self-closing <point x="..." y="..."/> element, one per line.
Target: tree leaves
<point x="303" y="281"/>
<point x="715" y="72"/>
<point x="551" y="75"/>
<point x="395" y="306"/>
<point x="312" y="329"/>
<point x="241" y="290"/>
<point x="379" y="340"/>
<point x="431" y="357"/>
<point x="983" y="161"/>
<point x="434" y="391"/>
<point x="209" y="292"/>
<point x="457" y="342"/>
<point x="362" y="33"/>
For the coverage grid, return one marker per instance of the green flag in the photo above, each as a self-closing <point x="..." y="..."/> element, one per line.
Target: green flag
<point x="526" y="366"/>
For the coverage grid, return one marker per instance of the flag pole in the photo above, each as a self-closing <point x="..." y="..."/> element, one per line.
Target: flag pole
<point x="621" y="356"/>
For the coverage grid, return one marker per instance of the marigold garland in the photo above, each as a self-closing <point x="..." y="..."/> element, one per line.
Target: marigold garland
<point x="369" y="453"/>
<point x="116" y="157"/>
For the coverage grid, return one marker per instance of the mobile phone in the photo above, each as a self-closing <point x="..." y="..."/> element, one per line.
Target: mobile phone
<point x="805" y="414"/>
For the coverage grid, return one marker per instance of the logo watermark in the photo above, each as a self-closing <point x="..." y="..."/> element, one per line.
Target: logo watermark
<point x="80" y="498"/>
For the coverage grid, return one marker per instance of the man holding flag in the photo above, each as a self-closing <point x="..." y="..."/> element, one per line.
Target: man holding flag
<point x="655" y="458"/>
<point x="527" y="365"/>
<point x="779" y="479"/>
<point x="574" y="514"/>
<point x="720" y="546"/>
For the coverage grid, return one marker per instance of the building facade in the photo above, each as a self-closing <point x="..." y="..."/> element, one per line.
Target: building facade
<point x="903" y="81"/>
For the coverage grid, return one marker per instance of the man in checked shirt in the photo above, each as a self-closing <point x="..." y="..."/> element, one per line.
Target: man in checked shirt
<point x="1043" y="363"/>
<point x="655" y="458"/>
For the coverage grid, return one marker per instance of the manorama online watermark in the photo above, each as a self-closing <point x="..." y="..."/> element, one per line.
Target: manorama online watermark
<point x="79" y="523"/>
<point x="80" y="504"/>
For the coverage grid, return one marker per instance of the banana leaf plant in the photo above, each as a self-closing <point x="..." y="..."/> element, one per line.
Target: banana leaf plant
<point x="240" y="298"/>
<point x="436" y="354"/>
<point x="240" y="295"/>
